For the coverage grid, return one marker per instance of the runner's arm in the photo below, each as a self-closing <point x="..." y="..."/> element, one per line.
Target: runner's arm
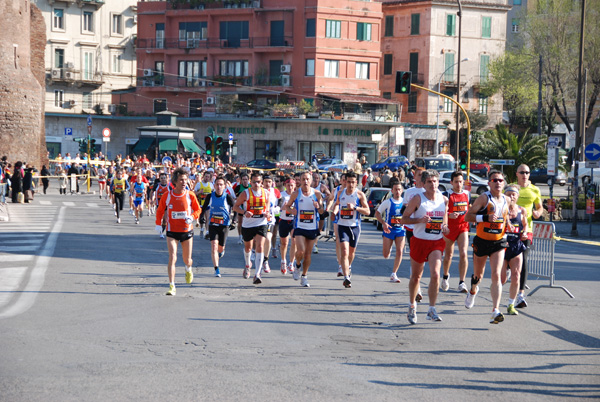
<point x="478" y="205"/>
<point x="160" y="211"/>
<point x="412" y="206"/>
<point x="195" y="206"/>
<point x="239" y="202"/>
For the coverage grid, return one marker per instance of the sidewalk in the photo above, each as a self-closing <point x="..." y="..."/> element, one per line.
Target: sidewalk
<point x="564" y="228"/>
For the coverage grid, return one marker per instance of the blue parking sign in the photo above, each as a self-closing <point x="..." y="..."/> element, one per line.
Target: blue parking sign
<point x="68" y="131"/>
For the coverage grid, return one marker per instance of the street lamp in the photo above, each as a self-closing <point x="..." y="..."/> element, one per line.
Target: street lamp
<point x="437" y="125"/>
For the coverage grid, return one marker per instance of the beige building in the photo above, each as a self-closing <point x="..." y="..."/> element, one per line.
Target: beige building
<point x="89" y="53"/>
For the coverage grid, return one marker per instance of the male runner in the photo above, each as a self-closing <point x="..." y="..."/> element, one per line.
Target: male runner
<point x="408" y="196"/>
<point x="333" y="196"/>
<point x="274" y="211"/>
<point x="427" y="212"/>
<point x="317" y="184"/>
<point x="243" y="186"/>
<point x="202" y="190"/>
<point x="139" y="193"/>
<point x="118" y="187"/>
<point x="286" y="226"/>
<point x="102" y="172"/>
<point x="490" y="211"/>
<point x="389" y="214"/>
<point x="161" y="187"/>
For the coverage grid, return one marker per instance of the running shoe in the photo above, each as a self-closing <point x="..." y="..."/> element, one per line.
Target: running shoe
<point x="246" y="273"/>
<point x="162" y="236"/>
<point x="433" y="315"/>
<point x="470" y="300"/>
<point x="445" y="284"/>
<point x="462" y="287"/>
<point x="496" y="318"/>
<point x="520" y="302"/>
<point x="240" y="241"/>
<point x="419" y="297"/>
<point x="304" y="282"/>
<point x="290" y="267"/>
<point x="266" y="267"/>
<point x="172" y="291"/>
<point x="131" y="212"/>
<point x="394" y="278"/>
<point x="257" y="280"/>
<point x="412" y="315"/>
<point x="347" y="283"/>
<point x="118" y="220"/>
<point x="137" y="221"/>
<point x="217" y="273"/>
<point x="274" y="252"/>
<point x="253" y="256"/>
<point x="340" y="272"/>
<point x="315" y="249"/>
<point x="511" y="310"/>
<point x="221" y="254"/>
<point x="296" y="274"/>
<point x="189" y="276"/>
<point x="206" y="236"/>
<point x="283" y="268"/>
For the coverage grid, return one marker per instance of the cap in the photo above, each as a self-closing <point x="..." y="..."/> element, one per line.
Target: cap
<point x="210" y="170"/>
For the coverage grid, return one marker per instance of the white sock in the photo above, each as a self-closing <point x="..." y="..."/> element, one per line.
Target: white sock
<point x="188" y="269"/>
<point x="284" y="262"/>
<point x="247" y="258"/>
<point x="172" y="283"/>
<point x="496" y="311"/>
<point x="511" y="301"/>
<point x="259" y="257"/>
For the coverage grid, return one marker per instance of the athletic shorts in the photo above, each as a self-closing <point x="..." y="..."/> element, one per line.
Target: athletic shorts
<point x="218" y="233"/>
<point x="285" y="228"/>
<point x="409" y="235"/>
<point x="248" y="234"/>
<point x="349" y="234"/>
<point x="420" y="249"/>
<point x="137" y="202"/>
<point x="514" y="249"/>
<point x="181" y="236"/>
<point x="455" y="230"/>
<point x="484" y="248"/>
<point x="309" y="234"/>
<point x="395" y="232"/>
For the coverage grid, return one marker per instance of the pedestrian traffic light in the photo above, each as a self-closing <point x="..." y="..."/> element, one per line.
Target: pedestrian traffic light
<point x="208" y="144"/>
<point x="403" y="81"/>
<point x="218" y="145"/>
<point x="462" y="164"/>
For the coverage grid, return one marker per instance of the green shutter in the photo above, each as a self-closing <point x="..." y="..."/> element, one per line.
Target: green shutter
<point x="449" y="67"/>
<point x="484" y="69"/>
<point x="360" y="31"/>
<point x="451" y="25"/>
<point x="486" y="27"/>
<point x="415" y="20"/>
<point x="389" y="25"/>
<point x="414" y="65"/>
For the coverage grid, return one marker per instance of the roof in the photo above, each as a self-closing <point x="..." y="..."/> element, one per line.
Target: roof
<point x="361" y="99"/>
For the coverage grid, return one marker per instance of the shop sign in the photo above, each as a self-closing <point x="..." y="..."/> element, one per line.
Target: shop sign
<point x="345" y="132"/>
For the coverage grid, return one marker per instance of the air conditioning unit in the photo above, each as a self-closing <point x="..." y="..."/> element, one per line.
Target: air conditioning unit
<point x="112" y="108"/>
<point x="56" y="73"/>
<point x="148" y="72"/>
<point x="135" y="19"/>
<point x="210" y="100"/>
<point x="69" y="75"/>
<point x="69" y="65"/>
<point x="285" y="80"/>
<point x="286" y="68"/>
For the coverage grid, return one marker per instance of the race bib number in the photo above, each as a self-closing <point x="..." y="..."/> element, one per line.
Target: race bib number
<point x="396" y="220"/>
<point x="307" y="216"/>
<point x="346" y="213"/>
<point x="217" y="219"/>
<point x="434" y="226"/>
<point x="495" y="227"/>
<point x="461" y="207"/>
<point x="257" y="212"/>
<point x="178" y="214"/>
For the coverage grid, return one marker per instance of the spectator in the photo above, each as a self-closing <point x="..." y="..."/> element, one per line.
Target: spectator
<point x="28" y="185"/>
<point x="17" y="182"/>
<point x="357" y="167"/>
<point x="74" y="170"/>
<point x="385" y="180"/>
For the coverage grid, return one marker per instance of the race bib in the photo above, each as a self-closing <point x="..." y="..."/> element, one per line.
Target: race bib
<point x="178" y="214"/>
<point x="396" y="220"/>
<point x="257" y="212"/>
<point x="217" y="219"/>
<point x="461" y="207"/>
<point x="434" y="226"/>
<point x="307" y="216"/>
<point x="346" y="213"/>
<point x="494" y="227"/>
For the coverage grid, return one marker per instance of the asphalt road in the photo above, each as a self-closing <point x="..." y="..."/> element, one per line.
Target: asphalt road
<point x="83" y="316"/>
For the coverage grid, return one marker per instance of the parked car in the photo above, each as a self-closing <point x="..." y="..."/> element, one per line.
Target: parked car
<point x="540" y="175"/>
<point x="328" y="163"/>
<point x="439" y="163"/>
<point x="480" y="169"/>
<point x="391" y="162"/>
<point x="261" y="164"/>
<point x="479" y="185"/>
<point x="374" y="197"/>
<point x="585" y="174"/>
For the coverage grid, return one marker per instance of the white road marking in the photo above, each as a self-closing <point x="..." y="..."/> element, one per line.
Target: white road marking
<point x="11" y="278"/>
<point x="16" y="257"/>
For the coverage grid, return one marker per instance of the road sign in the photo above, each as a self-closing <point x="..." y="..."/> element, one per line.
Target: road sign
<point x="68" y="131"/>
<point x="552" y="159"/>
<point x="509" y="162"/>
<point x="106" y="132"/>
<point x="230" y="136"/>
<point x="89" y="129"/>
<point x="89" y="120"/>
<point x="105" y="139"/>
<point x="592" y="152"/>
<point x="166" y="160"/>
<point x="592" y="164"/>
<point x="554" y="142"/>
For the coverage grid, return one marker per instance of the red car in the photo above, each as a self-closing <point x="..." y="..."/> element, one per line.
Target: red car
<point x="480" y="169"/>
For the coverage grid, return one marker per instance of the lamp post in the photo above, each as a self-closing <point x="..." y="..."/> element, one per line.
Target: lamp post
<point x="459" y="14"/>
<point x="437" y="124"/>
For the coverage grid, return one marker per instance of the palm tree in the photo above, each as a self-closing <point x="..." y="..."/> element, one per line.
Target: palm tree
<point x="500" y="143"/>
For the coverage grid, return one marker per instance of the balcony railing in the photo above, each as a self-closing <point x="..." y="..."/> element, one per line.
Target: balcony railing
<point x="159" y="80"/>
<point x="180" y="5"/>
<point x="212" y="43"/>
<point x="75" y="76"/>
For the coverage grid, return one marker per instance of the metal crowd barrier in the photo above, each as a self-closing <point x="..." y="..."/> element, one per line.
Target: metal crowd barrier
<point x="540" y="261"/>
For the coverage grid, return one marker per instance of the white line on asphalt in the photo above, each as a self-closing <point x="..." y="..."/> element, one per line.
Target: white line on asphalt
<point x="22" y="241"/>
<point x="15" y="257"/>
<point x="92" y="204"/>
<point x="11" y="277"/>
<point x="68" y="204"/>
<point x="45" y="202"/>
<point x="36" y="279"/>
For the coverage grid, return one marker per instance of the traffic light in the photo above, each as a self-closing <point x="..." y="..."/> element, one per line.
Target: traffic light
<point x="82" y="145"/>
<point x="92" y="146"/>
<point x="403" y="81"/>
<point x="218" y="145"/>
<point x="208" y="144"/>
<point x="462" y="164"/>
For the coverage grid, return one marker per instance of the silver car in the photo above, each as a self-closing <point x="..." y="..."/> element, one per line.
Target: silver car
<point x="479" y="185"/>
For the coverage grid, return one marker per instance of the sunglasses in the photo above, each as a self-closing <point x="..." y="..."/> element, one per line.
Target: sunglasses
<point x="497" y="180"/>
<point x="524" y="172"/>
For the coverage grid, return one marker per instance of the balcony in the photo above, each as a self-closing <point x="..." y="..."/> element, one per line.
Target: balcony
<point x="449" y="81"/>
<point x="214" y="43"/>
<point x="211" y="5"/>
<point x="71" y="76"/>
<point x="97" y="3"/>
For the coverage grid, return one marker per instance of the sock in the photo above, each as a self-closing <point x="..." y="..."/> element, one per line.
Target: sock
<point x="346" y="277"/>
<point x="298" y="266"/>
<point x="459" y="282"/>
<point x="511" y="301"/>
<point x="446" y="277"/>
<point x="247" y="258"/>
<point x="431" y="308"/>
<point x="284" y="262"/>
<point x="495" y="311"/>
<point x="240" y="237"/>
<point x="172" y="283"/>
<point x="259" y="257"/>
<point x="188" y="269"/>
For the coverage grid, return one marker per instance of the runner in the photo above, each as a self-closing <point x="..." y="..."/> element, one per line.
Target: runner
<point x="317" y="184"/>
<point x="408" y="195"/>
<point x="218" y="204"/>
<point x="305" y="204"/>
<point x="243" y="186"/>
<point x="350" y="204"/>
<point x="273" y="211"/>
<point x="255" y="202"/>
<point x="390" y="216"/>
<point x="179" y="207"/>
<point x="490" y="211"/>
<point x="427" y="212"/>
<point x="118" y="187"/>
<point x="286" y="226"/>
<point x="160" y="188"/>
<point x="331" y="201"/>
<point x="202" y="190"/>
<point x="459" y="201"/>
<point x="139" y="193"/>
<point x="102" y="172"/>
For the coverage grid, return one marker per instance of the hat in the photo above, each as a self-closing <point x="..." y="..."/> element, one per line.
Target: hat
<point x="210" y="170"/>
<point x="368" y="169"/>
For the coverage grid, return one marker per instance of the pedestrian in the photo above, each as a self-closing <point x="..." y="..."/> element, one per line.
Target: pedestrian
<point x="28" y="185"/>
<point x="45" y="178"/>
<point x="16" y="181"/>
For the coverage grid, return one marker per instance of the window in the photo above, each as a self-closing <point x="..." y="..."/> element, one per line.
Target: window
<point x="362" y="71"/>
<point x="484" y="68"/>
<point x="483" y="104"/>
<point x="310" y="67"/>
<point x="486" y="27"/>
<point x="388" y="64"/>
<point x="448" y="104"/>
<point x="415" y="22"/>
<point x="195" y="109"/>
<point x="88" y="21"/>
<point x="58" y="19"/>
<point x="332" y="68"/>
<point x="160" y="35"/>
<point x="87" y="100"/>
<point x="160" y="105"/>
<point x="88" y="65"/>
<point x="311" y="27"/>
<point x="59" y="96"/>
<point x="116" y="62"/>
<point x="449" y="67"/>
<point x="451" y="24"/>
<point x="159" y="73"/>
<point x="387" y="95"/>
<point x="192" y="33"/>
<point x="515" y="25"/>
<point x="59" y="58"/>
<point x="389" y="25"/>
<point x="333" y="29"/>
<point x="363" y="31"/>
<point x="233" y="32"/>
<point x="413" y="65"/>
<point x="191" y="71"/>
<point x="117" y="24"/>
<point x="234" y="68"/>
<point x="412" y="102"/>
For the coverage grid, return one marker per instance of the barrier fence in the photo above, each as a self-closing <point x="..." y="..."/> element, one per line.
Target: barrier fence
<point x="540" y="261"/>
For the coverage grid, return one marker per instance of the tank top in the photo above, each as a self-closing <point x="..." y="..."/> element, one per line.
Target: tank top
<point x="336" y="192"/>
<point x="258" y="205"/>
<point x="220" y="210"/>
<point x="346" y="216"/>
<point x="119" y="185"/>
<point x="457" y="202"/>
<point x="435" y="209"/>
<point x="307" y="216"/>
<point x="409" y="194"/>
<point x="273" y="206"/>
<point x="514" y="236"/>
<point x="394" y="213"/>
<point x="179" y="207"/>
<point x="204" y="190"/>
<point x="138" y="190"/>
<point x="493" y="231"/>
<point x="160" y="191"/>
<point x="285" y="197"/>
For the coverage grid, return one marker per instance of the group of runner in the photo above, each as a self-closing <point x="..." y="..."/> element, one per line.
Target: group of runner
<point x="430" y="221"/>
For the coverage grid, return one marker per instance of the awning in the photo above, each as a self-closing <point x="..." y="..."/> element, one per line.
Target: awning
<point x="191" y="146"/>
<point x="168" y="144"/>
<point x="360" y="99"/>
<point x="142" y="145"/>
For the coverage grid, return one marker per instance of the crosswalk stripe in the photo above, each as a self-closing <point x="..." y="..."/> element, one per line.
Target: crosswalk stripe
<point x="15" y="257"/>
<point x="68" y="204"/>
<point x="92" y="204"/>
<point x="45" y="202"/>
